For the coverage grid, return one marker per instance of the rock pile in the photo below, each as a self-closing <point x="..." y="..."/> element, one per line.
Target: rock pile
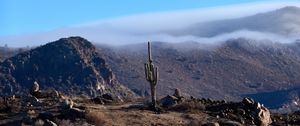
<point x="246" y="112"/>
<point x="107" y="98"/>
<point x="171" y="100"/>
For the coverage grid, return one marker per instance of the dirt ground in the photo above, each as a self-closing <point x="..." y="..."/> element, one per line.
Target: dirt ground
<point x="125" y="115"/>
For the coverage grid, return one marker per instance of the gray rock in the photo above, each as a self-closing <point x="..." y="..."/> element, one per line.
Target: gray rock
<point x="168" y="101"/>
<point x="177" y="93"/>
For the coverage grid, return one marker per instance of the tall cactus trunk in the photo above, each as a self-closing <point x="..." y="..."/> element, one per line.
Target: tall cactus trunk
<point x="153" y="95"/>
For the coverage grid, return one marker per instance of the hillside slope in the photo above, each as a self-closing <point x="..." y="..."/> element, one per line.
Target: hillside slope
<point x="229" y="71"/>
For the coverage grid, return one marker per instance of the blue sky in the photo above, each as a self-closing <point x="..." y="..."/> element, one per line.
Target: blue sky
<point x="30" y="16"/>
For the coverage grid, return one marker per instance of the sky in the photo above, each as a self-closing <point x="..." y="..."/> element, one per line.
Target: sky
<point x="36" y="22"/>
<point x="29" y="16"/>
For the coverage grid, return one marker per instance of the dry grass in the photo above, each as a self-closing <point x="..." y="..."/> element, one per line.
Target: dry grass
<point x="96" y="117"/>
<point x="188" y="106"/>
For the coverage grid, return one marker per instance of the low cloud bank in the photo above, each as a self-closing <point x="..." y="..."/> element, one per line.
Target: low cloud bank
<point x="153" y="26"/>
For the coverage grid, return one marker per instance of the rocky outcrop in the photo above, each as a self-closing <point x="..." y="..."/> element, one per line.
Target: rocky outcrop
<point x="70" y="65"/>
<point x="261" y="114"/>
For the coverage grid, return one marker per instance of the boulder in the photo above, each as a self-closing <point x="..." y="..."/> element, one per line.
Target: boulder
<point x="177" y="94"/>
<point x="168" y="101"/>
<point x="261" y="115"/>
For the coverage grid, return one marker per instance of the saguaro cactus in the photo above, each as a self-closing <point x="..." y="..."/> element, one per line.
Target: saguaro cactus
<point x="151" y="73"/>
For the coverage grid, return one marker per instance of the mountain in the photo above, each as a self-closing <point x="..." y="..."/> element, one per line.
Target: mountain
<point x="232" y="70"/>
<point x="283" y="21"/>
<point x="6" y="52"/>
<point x="71" y="65"/>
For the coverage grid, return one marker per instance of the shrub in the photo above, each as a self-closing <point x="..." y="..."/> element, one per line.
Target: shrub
<point x="96" y="117"/>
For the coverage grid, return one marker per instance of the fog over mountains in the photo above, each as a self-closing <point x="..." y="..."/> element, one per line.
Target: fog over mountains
<point x="263" y="62"/>
<point x="275" y="22"/>
<point x="283" y="22"/>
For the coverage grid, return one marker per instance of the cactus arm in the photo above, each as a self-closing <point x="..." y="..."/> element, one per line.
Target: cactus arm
<point x="156" y="75"/>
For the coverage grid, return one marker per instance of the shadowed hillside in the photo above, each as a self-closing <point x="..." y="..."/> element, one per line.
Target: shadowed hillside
<point x="233" y="69"/>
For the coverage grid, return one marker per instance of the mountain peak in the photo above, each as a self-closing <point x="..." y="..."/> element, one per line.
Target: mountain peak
<point x="75" y="42"/>
<point x="290" y="9"/>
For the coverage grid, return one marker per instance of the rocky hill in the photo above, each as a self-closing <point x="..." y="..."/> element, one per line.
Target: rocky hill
<point x="71" y="65"/>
